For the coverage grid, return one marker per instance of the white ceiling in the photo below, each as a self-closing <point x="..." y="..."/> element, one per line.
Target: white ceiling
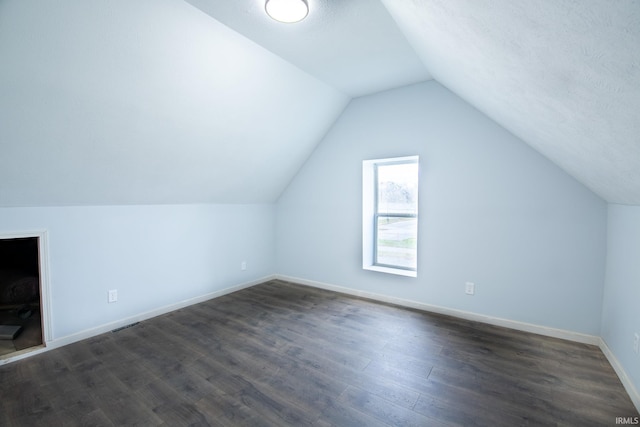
<point x="158" y="101"/>
<point x="563" y="75"/>
<point x="353" y="45"/>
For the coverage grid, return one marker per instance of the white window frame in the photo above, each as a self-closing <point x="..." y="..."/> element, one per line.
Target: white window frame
<point x="370" y="215"/>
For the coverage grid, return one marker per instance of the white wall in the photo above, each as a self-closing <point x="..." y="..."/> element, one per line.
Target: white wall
<point x="492" y="211"/>
<point x="621" y="308"/>
<point x="153" y="255"/>
<point x="147" y="102"/>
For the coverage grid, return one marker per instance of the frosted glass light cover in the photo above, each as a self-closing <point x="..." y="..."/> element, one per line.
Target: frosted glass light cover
<point x="287" y="11"/>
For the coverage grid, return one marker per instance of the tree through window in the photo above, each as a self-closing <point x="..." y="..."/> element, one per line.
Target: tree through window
<point x="396" y="214"/>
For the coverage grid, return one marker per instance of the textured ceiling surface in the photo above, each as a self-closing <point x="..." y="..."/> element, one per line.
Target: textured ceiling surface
<point x="563" y="75"/>
<point x="353" y="45"/>
<point x="152" y="101"/>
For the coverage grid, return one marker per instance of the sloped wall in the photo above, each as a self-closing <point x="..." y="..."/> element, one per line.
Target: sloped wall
<point x="147" y="102"/>
<point x="492" y="211"/>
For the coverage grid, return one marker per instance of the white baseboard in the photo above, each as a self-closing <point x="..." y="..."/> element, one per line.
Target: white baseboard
<point x="512" y="324"/>
<point x="107" y="327"/>
<point x="521" y="326"/>
<point x="624" y="378"/>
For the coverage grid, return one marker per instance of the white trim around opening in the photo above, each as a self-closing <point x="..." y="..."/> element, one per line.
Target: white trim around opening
<point x="45" y="287"/>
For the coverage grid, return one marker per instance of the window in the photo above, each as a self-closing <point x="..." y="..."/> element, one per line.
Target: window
<point x="390" y="215"/>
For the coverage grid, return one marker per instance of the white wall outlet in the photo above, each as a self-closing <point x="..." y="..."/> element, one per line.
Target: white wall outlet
<point x="636" y="342"/>
<point x="469" y="288"/>
<point x="243" y="265"/>
<point x="113" y="295"/>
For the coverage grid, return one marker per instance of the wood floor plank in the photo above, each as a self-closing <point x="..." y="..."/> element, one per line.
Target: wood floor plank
<point x="489" y="403"/>
<point x="185" y="414"/>
<point x="373" y="383"/>
<point x="341" y="413"/>
<point x="386" y="411"/>
<point x="282" y="354"/>
<point x="155" y="394"/>
<point x="278" y="409"/>
<point x="230" y="412"/>
<point x="466" y="413"/>
<point x="95" y="418"/>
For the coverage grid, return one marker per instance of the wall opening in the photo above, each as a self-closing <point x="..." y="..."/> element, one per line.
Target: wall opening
<point x="21" y="295"/>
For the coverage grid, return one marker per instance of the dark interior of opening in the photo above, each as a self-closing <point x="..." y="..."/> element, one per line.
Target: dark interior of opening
<point x="20" y="315"/>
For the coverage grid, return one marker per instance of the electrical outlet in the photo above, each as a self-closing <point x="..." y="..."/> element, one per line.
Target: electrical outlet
<point x="243" y="265"/>
<point x="636" y="342"/>
<point x="469" y="288"/>
<point x="113" y="295"/>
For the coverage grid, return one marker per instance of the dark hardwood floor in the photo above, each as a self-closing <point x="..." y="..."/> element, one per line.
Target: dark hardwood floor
<point x="281" y="354"/>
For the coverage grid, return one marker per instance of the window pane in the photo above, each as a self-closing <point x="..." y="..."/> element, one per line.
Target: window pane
<point x="397" y="241"/>
<point x="398" y="188"/>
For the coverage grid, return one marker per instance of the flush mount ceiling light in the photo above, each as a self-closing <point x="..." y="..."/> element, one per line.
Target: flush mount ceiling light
<point x="287" y="11"/>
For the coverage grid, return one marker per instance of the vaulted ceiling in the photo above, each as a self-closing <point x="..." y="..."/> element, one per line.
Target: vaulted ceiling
<point x="197" y="101"/>
<point x="563" y="75"/>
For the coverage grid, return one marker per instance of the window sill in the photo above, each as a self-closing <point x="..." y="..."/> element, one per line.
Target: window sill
<point x="390" y="270"/>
